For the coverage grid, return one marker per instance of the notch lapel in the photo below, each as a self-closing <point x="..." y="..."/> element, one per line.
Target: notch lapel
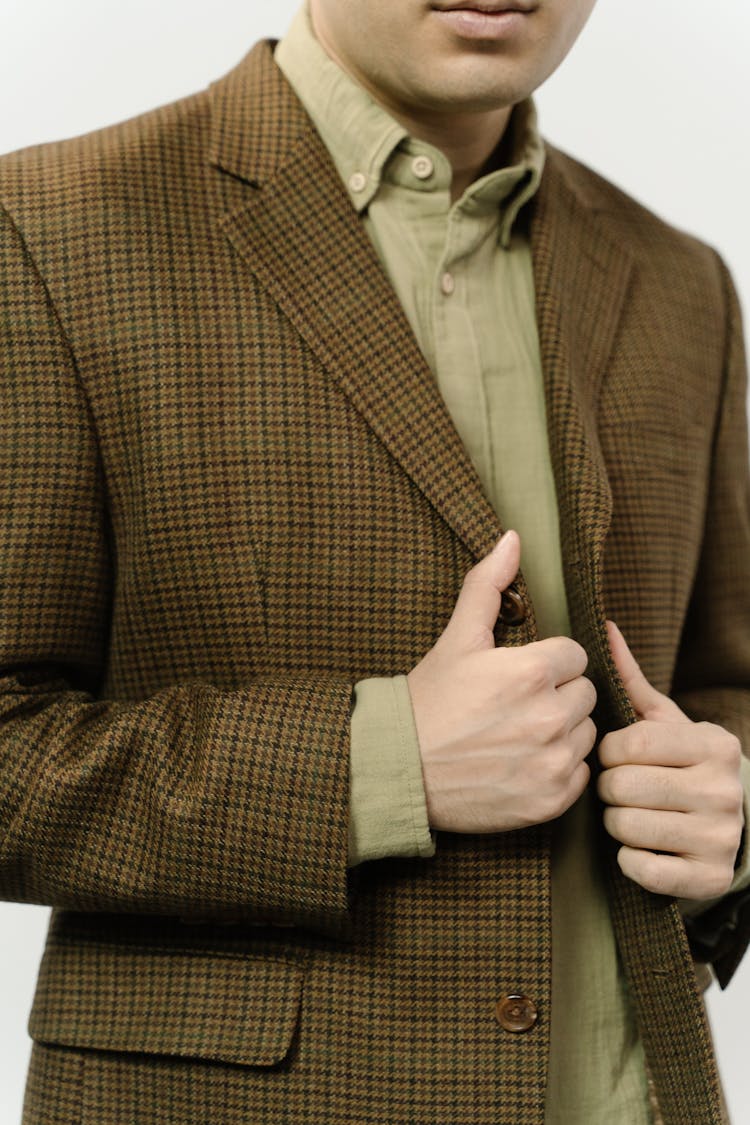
<point x="302" y="239"/>
<point x="299" y="235"/>
<point x="581" y="275"/>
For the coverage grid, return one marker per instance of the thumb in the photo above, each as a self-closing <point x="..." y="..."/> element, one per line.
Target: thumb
<point x="647" y="701"/>
<point x="478" y="604"/>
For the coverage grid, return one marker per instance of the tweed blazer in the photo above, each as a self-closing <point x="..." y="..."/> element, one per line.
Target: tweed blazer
<point x="230" y="489"/>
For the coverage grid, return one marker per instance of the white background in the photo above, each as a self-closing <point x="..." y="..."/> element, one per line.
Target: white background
<point x="655" y="95"/>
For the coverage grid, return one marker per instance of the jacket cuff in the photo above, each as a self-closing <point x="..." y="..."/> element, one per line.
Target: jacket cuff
<point x="388" y="809"/>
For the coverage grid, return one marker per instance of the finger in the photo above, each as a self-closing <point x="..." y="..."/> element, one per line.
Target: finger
<point x="656" y="830"/>
<point x="700" y="838"/>
<point x="478" y="603"/>
<point x="578" y="699"/>
<point x="653" y="743"/>
<point x="672" y="875"/>
<point x="646" y="700"/>
<point x="564" y="659"/>
<point x="647" y="787"/>
<point x="578" y="782"/>
<point x="583" y="737"/>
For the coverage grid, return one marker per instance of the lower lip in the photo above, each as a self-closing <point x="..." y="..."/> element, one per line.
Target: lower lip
<point x="468" y="23"/>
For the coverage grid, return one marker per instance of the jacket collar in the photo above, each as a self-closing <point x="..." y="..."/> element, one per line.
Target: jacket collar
<point x="581" y="274"/>
<point x="256" y="120"/>
<point x="300" y="236"/>
<point x="303" y="240"/>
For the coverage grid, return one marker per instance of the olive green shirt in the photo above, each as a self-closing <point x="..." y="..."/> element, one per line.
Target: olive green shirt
<point x="463" y="274"/>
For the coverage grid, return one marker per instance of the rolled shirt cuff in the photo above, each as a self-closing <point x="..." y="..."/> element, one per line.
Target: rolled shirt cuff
<point x="388" y="808"/>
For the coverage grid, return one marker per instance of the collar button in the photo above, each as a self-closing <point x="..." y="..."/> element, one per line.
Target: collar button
<point x="422" y="167"/>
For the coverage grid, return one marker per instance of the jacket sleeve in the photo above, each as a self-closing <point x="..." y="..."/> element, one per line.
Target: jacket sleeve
<point x="196" y="801"/>
<point x="712" y="679"/>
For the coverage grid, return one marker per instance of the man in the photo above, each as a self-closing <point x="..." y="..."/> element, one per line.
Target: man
<point x="279" y="363"/>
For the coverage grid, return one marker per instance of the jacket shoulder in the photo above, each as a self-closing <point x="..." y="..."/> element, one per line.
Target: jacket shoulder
<point x="134" y="161"/>
<point x="650" y="239"/>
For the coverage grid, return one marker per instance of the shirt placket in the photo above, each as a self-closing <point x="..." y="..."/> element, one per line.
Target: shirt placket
<point x="455" y="316"/>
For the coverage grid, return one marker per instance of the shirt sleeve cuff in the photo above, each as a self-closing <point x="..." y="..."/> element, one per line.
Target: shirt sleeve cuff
<point x="388" y="809"/>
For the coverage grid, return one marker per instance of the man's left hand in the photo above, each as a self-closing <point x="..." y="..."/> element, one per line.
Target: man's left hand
<point x="673" y="792"/>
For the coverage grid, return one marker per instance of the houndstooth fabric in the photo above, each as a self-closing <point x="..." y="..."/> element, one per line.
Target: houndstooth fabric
<point x="229" y="489"/>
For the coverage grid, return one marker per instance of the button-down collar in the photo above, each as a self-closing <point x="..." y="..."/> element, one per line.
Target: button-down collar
<point x="367" y="144"/>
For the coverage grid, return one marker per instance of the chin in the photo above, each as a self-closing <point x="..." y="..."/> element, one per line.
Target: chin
<point x="466" y="89"/>
<point x="461" y="99"/>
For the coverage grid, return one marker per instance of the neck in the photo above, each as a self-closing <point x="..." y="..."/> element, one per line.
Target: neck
<point x="467" y="139"/>
<point x="472" y="142"/>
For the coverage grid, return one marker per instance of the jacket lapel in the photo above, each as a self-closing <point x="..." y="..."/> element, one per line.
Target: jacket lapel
<point x="299" y="235"/>
<point x="302" y="239"/>
<point x="581" y="277"/>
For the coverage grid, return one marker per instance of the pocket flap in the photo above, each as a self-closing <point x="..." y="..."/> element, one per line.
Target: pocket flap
<point x="223" y="1007"/>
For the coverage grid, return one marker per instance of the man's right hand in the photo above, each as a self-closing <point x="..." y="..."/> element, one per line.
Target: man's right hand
<point x="503" y="732"/>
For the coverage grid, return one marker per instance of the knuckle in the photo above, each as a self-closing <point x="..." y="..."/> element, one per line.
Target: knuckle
<point x="607" y="750"/>
<point x="591" y="695"/>
<point x="553" y="805"/>
<point x="563" y="763"/>
<point x="570" y="761"/>
<point x="549" y="770"/>
<point x="720" y="790"/>
<point x="553" y="789"/>
<point x="585" y="776"/>
<point x="652" y="873"/>
<point x="723" y="746"/>
<point x="727" y="839"/>
<point x="612" y="821"/>
<point x="731" y="750"/>
<point x="613" y="787"/>
<point x="717" y="881"/>
<point x="536" y="673"/>
<point x="552" y="722"/>
<point x="737" y="797"/>
<point x="732" y="798"/>
<point x="578" y="653"/>
<point x="641" y="739"/>
<point x="589" y="733"/>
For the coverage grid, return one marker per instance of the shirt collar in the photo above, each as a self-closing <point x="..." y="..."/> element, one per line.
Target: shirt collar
<point x="361" y="136"/>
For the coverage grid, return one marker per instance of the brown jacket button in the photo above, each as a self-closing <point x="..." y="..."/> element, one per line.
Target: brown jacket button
<point x="516" y="1013"/>
<point x="512" y="607"/>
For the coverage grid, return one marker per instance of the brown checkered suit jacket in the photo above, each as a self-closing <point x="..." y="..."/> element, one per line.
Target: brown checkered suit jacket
<point x="229" y="490"/>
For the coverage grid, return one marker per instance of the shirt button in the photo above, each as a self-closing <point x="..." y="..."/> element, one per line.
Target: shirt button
<point x="447" y="283"/>
<point x="422" y="167"/>
<point x="357" y="181"/>
<point x="516" y="1013"/>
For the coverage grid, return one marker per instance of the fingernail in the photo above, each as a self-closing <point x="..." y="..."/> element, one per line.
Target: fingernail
<point x="504" y="538"/>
